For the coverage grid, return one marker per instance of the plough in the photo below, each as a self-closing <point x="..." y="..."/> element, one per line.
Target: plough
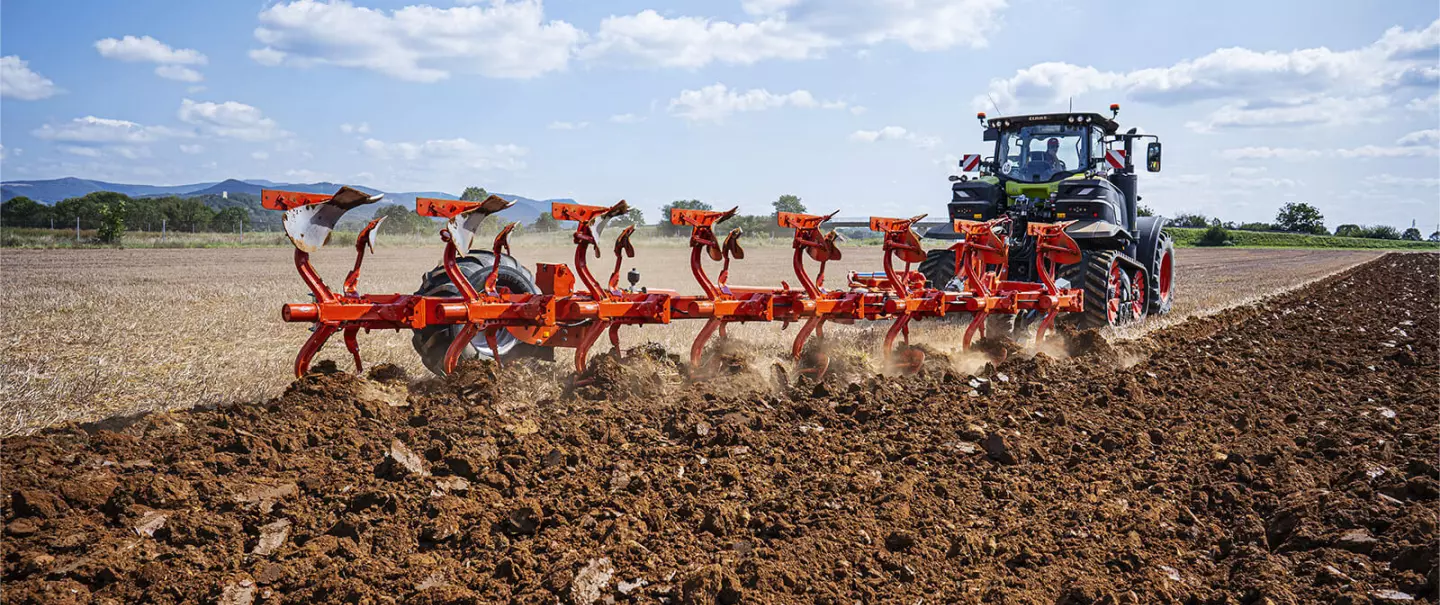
<point x="573" y="308"/>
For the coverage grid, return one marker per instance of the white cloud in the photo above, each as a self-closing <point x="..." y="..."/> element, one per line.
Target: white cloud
<point x="18" y="82"/>
<point x="172" y="61"/>
<point x="1248" y="171"/>
<point x="441" y="154"/>
<point x="896" y="133"/>
<point x="1402" y="181"/>
<point x="260" y="155"/>
<point x="923" y="25"/>
<point x="626" y="118"/>
<point x="419" y="43"/>
<point x="91" y="129"/>
<point x="1429" y="137"/>
<point x="230" y="119"/>
<point x="1379" y="151"/>
<point x="361" y="128"/>
<point x="177" y="72"/>
<point x="716" y="102"/>
<point x="1298" y="87"/>
<point x="1269" y="153"/>
<point x="567" y="125"/>
<point x="792" y="30"/>
<point x="89" y="152"/>
<point x="192" y="149"/>
<point x="306" y="176"/>
<point x="129" y="152"/>
<point x="147" y="50"/>
<point x="1426" y="104"/>
<point x="650" y="39"/>
<point x="1293" y="113"/>
<point x="1361" y="152"/>
<point x="268" y="57"/>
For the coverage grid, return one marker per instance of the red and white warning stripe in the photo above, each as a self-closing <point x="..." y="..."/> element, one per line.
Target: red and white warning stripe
<point x="970" y="162"/>
<point x="1116" y="158"/>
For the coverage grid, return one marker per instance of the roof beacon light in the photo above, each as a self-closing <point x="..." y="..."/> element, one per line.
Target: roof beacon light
<point x="1114" y="110"/>
<point x="980" y="116"/>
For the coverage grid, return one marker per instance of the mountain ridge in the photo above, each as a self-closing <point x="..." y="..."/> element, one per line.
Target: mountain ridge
<point x="51" y="191"/>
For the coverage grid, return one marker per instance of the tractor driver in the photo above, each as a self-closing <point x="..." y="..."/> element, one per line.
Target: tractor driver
<point x="1052" y="158"/>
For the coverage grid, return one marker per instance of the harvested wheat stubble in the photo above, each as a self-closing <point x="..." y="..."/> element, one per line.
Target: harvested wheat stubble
<point x="88" y="334"/>
<point x="1281" y="453"/>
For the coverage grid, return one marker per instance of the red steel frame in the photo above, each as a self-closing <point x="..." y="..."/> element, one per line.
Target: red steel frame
<point x="563" y="316"/>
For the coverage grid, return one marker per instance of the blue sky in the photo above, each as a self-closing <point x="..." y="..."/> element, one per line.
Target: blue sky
<point x="856" y="105"/>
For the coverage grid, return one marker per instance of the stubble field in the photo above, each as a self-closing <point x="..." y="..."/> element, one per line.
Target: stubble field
<point x="94" y="333"/>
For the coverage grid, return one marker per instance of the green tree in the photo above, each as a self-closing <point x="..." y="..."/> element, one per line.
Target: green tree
<point x="230" y="219"/>
<point x="22" y="211"/>
<point x="86" y="208"/>
<point x="1435" y="237"/>
<point x="1299" y="217"/>
<point x="1256" y="227"/>
<point x="788" y="203"/>
<point x="399" y="219"/>
<point x="474" y="194"/>
<point x="1190" y="221"/>
<point x="633" y="217"/>
<point x="666" y="227"/>
<point x="186" y="214"/>
<point x="1215" y="236"/>
<point x="1411" y="234"/>
<point x="545" y="223"/>
<point x="1144" y="210"/>
<point x="112" y="222"/>
<point x="1350" y="230"/>
<point x="143" y="214"/>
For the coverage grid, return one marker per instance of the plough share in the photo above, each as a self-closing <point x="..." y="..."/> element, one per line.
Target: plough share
<point x="573" y="308"/>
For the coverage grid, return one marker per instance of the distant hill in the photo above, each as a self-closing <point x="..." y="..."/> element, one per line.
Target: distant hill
<point x="525" y="209"/>
<point x="54" y="190"/>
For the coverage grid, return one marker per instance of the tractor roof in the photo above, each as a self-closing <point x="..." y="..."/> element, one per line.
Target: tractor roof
<point x="1004" y="123"/>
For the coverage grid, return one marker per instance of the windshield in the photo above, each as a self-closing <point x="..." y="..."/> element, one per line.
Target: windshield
<point x="1040" y="153"/>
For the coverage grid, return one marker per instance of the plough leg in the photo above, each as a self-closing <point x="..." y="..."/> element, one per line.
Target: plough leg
<point x="457" y="346"/>
<point x="354" y="346"/>
<point x="698" y="347"/>
<point x="582" y="352"/>
<point x="615" y="338"/>
<point x="311" y="347"/>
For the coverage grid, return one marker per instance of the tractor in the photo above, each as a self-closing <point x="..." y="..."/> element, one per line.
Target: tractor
<point x="1075" y="169"/>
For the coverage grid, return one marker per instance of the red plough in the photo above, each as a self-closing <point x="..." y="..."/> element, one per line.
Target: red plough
<point x="562" y="315"/>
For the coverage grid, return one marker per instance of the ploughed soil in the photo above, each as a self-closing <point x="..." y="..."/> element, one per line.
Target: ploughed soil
<point x="1283" y="452"/>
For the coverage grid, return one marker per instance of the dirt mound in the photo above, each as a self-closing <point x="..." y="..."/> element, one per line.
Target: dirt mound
<point x="1280" y="453"/>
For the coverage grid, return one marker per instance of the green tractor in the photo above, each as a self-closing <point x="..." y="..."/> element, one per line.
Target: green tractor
<point x="1076" y="168"/>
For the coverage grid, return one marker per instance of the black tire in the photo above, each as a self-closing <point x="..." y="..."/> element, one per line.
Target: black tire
<point x="1161" y="296"/>
<point x="1092" y="274"/>
<point x="433" y="341"/>
<point x="938" y="267"/>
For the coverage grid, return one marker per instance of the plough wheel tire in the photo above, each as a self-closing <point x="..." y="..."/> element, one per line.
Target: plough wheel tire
<point x="1160" y="277"/>
<point x="938" y="267"/>
<point x="432" y="342"/>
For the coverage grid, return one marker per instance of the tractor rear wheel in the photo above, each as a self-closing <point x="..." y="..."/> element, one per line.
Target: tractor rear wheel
<point x="938" y="268"/>
<point x="1160" y="294"/>
<point x="432" y="342"/>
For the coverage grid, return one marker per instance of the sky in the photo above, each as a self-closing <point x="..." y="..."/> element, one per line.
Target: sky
<point x="863" y="106"/>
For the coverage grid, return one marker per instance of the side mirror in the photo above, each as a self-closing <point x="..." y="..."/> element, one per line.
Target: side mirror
<point x="1152" y="157"/>
<point x="992" y="134"/>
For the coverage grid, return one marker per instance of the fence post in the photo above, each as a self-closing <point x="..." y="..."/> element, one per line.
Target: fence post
<point x="162" y="228"/>
<point x="77" y="229"/>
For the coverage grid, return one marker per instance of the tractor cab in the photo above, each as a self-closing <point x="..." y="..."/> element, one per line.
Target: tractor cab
<point x="1049" y="147"/>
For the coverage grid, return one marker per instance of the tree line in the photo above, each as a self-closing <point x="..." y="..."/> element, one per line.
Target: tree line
<point x="1297" y="217"/>
<point x="101" y="208"/>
